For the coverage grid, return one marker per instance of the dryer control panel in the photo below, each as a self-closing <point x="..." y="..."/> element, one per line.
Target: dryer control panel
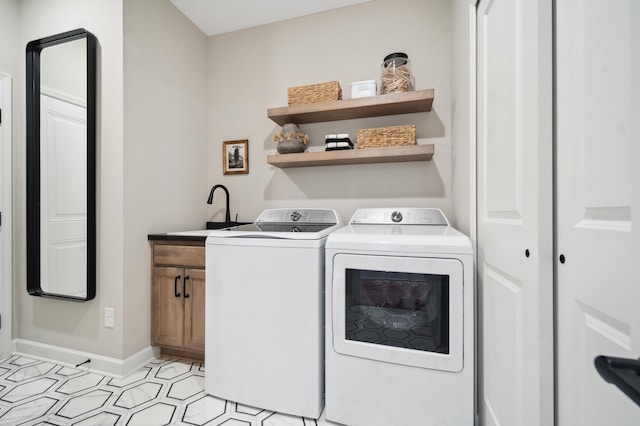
<point x="400" y="216"/>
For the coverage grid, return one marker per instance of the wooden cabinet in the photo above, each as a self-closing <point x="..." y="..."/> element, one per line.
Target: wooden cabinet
<point x="348" y="109"/>
<point x="178" y="297"/>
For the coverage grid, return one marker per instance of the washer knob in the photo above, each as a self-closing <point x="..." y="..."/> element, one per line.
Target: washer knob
<point x="295" y="216"/>
<point x="396" y="216"/>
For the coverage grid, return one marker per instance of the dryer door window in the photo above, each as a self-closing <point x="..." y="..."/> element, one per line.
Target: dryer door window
<point x="398" y="309"/>
<point x="401" y="310"/>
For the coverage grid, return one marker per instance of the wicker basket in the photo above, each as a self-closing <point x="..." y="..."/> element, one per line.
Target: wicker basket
<point x="386" y="136"/>
<point x="315" y="93"/>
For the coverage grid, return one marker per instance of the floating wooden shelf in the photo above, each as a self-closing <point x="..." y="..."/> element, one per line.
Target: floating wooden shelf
<point x="373" y="106"/>
<point x="396" y="154"/>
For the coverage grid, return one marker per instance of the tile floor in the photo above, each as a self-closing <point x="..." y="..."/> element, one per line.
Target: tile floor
<point x="165" y="391"/>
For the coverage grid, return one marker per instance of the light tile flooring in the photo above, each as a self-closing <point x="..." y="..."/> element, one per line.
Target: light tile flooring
<point x="165" y="391"/>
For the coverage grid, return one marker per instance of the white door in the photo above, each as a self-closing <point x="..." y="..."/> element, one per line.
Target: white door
<point x="6" y="280"/>
<point x="63" y="203"/>
<point x="598" y="307"/>
<point x="515" y="216"/>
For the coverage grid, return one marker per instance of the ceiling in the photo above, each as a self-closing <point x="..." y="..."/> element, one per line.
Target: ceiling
<point x="222" y="16"/>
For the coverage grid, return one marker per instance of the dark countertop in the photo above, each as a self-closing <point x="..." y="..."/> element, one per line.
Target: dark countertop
<point x="173" y="237"/>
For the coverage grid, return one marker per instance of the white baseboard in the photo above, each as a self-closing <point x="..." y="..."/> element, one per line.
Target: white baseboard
<point x="98" y="364"/>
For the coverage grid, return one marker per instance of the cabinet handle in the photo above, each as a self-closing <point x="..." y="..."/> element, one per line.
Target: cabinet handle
<point x="184" y="287"/>
<point x="175" y="286"/>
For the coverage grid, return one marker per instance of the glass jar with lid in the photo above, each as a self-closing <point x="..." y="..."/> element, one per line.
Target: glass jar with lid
<point x="396" y="74"/>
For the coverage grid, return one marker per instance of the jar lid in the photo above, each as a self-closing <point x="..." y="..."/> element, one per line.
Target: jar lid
<point x="395" y="55"/>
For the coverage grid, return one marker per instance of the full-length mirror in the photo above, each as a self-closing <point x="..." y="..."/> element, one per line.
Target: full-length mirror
<point x="61" y="166"/>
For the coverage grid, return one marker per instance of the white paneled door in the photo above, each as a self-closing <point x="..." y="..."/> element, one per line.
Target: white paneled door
<point x="515" y="216"/>
<point x="5" y="218"/>
<point x="63" y="211"/>
<point x="597" y="304"/>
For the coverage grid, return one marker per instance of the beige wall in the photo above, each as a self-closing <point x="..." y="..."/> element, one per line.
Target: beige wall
<point x="167" y="100"/>
<point x="76" y="326"/>
<point x="463" y="114"/>
<point x="250" y="71"/>
<point x="151" y="163"/>
<point x="8" y="67"/>
<point x="9" y="37"/>
<point x="165" y="152"/>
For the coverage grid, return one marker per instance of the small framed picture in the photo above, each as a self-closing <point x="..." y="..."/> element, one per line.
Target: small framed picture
<point x="235" y="157"/>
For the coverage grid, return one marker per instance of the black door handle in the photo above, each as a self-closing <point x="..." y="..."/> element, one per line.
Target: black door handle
<point x="175" y="286"/>
<point x="621" y="372"/>
<point x="184" y="287"/>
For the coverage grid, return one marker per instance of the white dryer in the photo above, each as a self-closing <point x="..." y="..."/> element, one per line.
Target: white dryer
<point x="265" y="311"/>
<point x="399" y="321"/>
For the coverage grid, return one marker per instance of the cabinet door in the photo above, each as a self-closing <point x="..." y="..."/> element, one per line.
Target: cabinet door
<point x="194" y="321"/>
<point x="168" y="306"/>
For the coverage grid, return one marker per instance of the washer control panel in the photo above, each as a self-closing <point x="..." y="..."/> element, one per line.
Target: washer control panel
<point x="298" y="216"/>
<point x="400" y="216"/>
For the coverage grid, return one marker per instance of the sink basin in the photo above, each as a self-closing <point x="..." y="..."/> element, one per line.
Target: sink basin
<point x="205" y="232"/>
<point x="222" y="225"/>
<point x="196" y="233"/>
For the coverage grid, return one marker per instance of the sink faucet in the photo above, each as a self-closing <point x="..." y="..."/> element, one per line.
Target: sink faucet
<point x="227" y="217"/>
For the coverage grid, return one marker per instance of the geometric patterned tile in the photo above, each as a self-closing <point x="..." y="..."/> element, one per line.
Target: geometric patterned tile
<point x="186" y="388"/>
<point x="80" y="383"/>
<point x="245" y="409"/>
<point x="29" y="389"/>
<point x="158" y="414"/>
<point x="138" y="395"/>
<point x="132" y="378"/>
<point x="82" y="404"/>
<point x="22" y="361"/>
<point x="66" y="371"/>
<point x="173" y="370"/>
<point x="33" y="392"/>
<point x="279" y="419"/>
<point x="30" y="372"/>
<point x="104" y="418"/>
<point x="204" y="410"/>
<point x="234" y="422"/>
<point x="28" y="410"/>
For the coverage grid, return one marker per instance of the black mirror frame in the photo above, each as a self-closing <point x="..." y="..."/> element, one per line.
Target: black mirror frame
<point x="34" y="48"/>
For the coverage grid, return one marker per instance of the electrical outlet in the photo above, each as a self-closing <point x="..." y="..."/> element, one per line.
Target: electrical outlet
<point x="108" y="317"/>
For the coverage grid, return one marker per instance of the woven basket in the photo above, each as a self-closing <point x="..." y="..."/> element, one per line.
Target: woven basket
<point x="386" y="136"/>
<point x="315" y="93"/>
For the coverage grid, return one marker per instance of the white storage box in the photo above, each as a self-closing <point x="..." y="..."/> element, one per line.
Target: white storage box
<point x="361" y="89"/>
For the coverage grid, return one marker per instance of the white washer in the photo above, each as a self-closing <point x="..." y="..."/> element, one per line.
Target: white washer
<point x="265" y="311"/>
<point x="399" y="321"/>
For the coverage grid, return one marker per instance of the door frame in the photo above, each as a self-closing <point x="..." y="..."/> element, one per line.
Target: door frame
<point x="6" y="237"/>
